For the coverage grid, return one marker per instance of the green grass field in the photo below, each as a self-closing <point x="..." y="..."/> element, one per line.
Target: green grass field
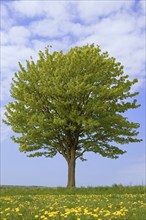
<point x="100" y="203"/>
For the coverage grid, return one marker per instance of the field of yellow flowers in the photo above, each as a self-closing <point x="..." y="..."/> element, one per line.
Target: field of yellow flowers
<point x="101" y="203"/>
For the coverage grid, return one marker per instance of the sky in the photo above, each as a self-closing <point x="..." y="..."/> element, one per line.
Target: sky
<point x="117" y="27"/>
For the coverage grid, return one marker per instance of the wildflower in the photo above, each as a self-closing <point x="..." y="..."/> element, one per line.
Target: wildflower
<point x="106" y="214"/>
<point x="51" y="214"/>
<point x="117" y="213"/>
<point x="17" y="209"/>
<point x="8" y="214"/>
<point x="20" y="214"/>
<point x="85" y="211"/>
<point x="7" y="209"/>
<point x="95" y="210"/>
<point x="95" y="215"/>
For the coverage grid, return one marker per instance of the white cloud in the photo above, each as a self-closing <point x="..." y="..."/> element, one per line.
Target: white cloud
<point x="57" y="10"/>
<point x="47" y="28"/>
<point x="123" y="37"/>
<point x="90" y="11"/>
<point x="6" y="20"/>
<point x="28" y="8"/>
<point x="62" y="43"/>
<point x="4" y="37"/>
<point x="143" y="6"/>
<point x="10" y="56"/>
<point x="5" y="85"/>
<point x="107" y="23"/>
<point x="19" y="35"/>
<point x="140" y="22"/>
<point x="16" y="35"/>
<point x="39" y="45"/>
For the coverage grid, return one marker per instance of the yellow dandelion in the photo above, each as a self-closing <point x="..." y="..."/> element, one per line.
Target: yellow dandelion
<point x="8" y="214"/>
<point x="95" y="215"/>
<point x="20" y="214"/>
<point x="96" y="210"/>
<point x="7" y="209"/>
<point x="107" y="214"/>
<point x="17" y="209"/>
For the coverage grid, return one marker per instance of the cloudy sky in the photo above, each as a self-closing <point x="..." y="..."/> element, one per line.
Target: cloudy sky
<point x="28" y="26"/>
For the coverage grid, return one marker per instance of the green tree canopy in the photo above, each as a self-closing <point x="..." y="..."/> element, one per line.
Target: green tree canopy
<point x="71" y="104"/>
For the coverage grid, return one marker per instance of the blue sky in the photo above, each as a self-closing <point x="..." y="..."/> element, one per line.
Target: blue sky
<point x="119" y="28"/>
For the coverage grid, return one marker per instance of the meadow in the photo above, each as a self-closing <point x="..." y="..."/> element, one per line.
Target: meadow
<point x="100" y="203"/>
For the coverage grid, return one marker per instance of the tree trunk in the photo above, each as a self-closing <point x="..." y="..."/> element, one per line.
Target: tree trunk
<point x="71" y="169"/>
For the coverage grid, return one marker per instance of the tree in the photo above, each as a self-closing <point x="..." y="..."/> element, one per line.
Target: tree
<point x="71" y="104"/>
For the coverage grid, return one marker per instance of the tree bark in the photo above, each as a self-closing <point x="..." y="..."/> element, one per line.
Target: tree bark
<point x="71" y="169"/>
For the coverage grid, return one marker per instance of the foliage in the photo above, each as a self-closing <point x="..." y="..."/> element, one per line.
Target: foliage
<point x="72" y="101"/>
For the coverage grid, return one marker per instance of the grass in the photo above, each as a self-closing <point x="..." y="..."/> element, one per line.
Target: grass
<point x="100" y="203"/>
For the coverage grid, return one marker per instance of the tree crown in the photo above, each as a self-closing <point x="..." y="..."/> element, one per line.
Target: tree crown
<point x="73" y="100"/>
